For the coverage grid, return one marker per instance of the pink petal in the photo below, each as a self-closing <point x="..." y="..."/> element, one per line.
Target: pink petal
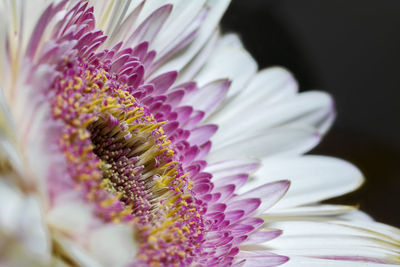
<point x="248" y="205"/>
<point x="119" y="62"/>
<point x="237" y="180"/>
<point x="233" y="167"/>
<point x="184" y="113"/>
<point x="163" y="82"/>
<point x="262" y="236"/>
<point x="238" y="240"/>
<point x="40" y="27"/>
<point x="202" y="134"/>
<point x="269" y="194"/>
<point x="253" y="221"/>
<point x="240" y="229"/>
<point x="176" y="48"/>
<point x="216" y="207"/>
<point x="234" y="215"/>
<point x="175" y="97"/>
<point x="196" y="117"/>
<point x="204" y="150"/>
<point x="170" y="127"/>
<point x="203" y="188"/>
<point x="148" y="30"/>
<point x="261" y="258"/>
<point x="190" y="155"/>
<point x="226" y="191"/>
<point x="208" y="97"/>
<point x="140" y="51"/>
<point x="123" y="31"/>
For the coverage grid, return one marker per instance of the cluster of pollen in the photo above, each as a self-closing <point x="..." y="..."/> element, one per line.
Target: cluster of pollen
<point x="120" y="157"/>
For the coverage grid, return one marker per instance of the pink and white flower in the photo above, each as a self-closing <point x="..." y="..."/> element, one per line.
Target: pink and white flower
<point x="134" y="134"/>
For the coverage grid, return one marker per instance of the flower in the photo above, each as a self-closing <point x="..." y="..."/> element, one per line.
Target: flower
<point x="108" y="110"/>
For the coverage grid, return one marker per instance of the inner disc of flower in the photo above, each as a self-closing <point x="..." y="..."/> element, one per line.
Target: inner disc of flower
<point x="121" y="159"/>
<point x="135" y="156"/>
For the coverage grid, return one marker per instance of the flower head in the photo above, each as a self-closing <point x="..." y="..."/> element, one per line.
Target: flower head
<point x="108" y="111"/>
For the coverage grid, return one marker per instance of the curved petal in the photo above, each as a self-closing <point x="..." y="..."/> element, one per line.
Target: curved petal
<point x="313" y="178"/>
<point x="275" y="142"/>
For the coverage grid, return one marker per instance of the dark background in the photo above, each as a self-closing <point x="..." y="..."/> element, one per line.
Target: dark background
<point x="350" y="49"/>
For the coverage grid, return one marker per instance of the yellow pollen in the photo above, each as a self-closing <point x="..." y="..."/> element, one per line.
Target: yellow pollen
<point x="78" y="83"/>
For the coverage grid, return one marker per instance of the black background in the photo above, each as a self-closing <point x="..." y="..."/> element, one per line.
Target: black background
<point x="350" y="49"/>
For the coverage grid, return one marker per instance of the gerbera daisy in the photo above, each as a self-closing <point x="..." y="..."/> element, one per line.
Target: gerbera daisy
<point x="130" y="132"/>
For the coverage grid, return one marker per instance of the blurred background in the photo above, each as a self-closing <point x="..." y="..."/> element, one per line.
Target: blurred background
<point x="350" y="49"/>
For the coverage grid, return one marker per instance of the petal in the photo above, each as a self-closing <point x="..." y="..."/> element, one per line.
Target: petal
<point x="312" y="262"/>
<point x="272" y="85"/>
<point x="261" y="236"/>
<point x="71" y="216"/>
<point x="163" y="82"/>
<point x="313" y="178"/>
<point x="314" y="210"/>
<point x="122" y="30"/>
<point x="232" y="167"/>
<point x="76" y="253"/>
<point x="276" y="142"/>
<point x="333" y="239"/>
<point x="208" y="97"/>
<point x="184" y="19"/>
<point x="268" y="193"/>
<point x="247" y="205"/>
<point x="311" y="109"/>
<point x="181" y="17"/>
<point x="194" y="66"/>
<point x="21" y="218"/>
<point x="113" y="245"/>
<point x="202" y="134"/>
<point x="237" y="180"/>
<point x="231" y="62"/>
<point x="261" y="259"/>
<point x="217" y="8"/>
<point x="149" y="28"/>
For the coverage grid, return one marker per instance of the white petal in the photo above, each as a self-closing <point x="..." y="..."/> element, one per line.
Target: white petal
<point x="76" y="252"/>
<point x="315" y="210"/>
<point x="275" y="142"/>
<point x="217" y="8"/>
<point x="111" y="20"/>
<point x="113" y="245"/>
<point x="311" y="262"/>
<point x="208" y="96"/>
<point x="269" y="85"/>
<point x="356" y="215"/>
<point x="150" y="27"/>
<point x="107" y="245"/>
<point x="261" y="259"/>
<point x="7" y="126"/>
<point x="380" y="230"/>
<point x="334" y="229"/>
<point x="76" y="226"/>
<point x="313" y="178"/>
<point x="9" y="154"/>
<point x="229" y="62"/>
<point x="123" y="29"/>
<point x="232" y="167"/>
<point x="269" y="194"/>
<point x="21" y="218"/>
<point x="71" y="216"/>
<point x="231" y="39"/>
<point x="313" y="109"/>
<point x="193" y="67"/>
<point x="181" y="16"/>
<point x="326" y="238"/>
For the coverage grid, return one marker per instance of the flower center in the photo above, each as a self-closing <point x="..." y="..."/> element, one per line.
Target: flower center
<point x="134" y="154"/>
<point x="121" y="159"/>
